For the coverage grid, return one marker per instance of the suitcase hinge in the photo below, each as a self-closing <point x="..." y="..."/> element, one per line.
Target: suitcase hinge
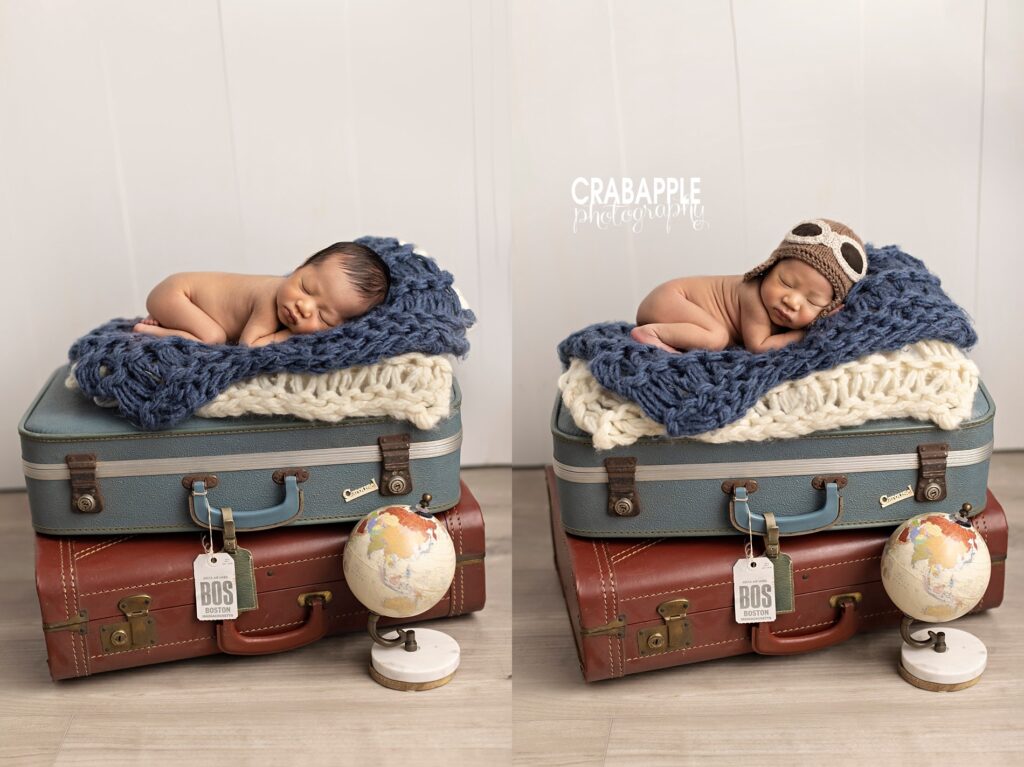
<point x="138" y="631"/>
<point x="931" y="477"/>
<point x="85" y="490"/>
<point x="622" y="497"/>
<point x="79" y="623"/>
<point x="676" y="634"/>
<point x="616" y="628"/>
<point x="395" y="478"/>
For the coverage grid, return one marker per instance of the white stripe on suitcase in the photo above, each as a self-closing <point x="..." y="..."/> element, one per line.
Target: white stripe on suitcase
<point x="790" y="468"/>
<point x="243" y="461"/>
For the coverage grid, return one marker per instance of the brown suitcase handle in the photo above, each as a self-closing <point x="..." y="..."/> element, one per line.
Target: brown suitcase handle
<point x="767" y="643"/>
<point x="231" y="641"/>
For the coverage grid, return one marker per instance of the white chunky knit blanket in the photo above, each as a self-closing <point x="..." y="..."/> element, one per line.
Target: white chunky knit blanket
<point x="929" y="380"/>
<point x="410" y="387"/>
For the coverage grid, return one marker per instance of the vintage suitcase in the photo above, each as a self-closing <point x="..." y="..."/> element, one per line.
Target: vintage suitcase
<point x="119" y="602"/>
<point x="90" y="472"/>
<point x="876" y="474"/>
<point x="639" y="605"/>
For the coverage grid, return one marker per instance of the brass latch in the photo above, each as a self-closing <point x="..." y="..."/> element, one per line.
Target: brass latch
<point x="395" y="478"/>
<point x="85" y="490"/>
<point x="622" y="497"/>
<point x="139" y="630"/>
<point x="676" y="634"/>
<point x="79" y="624"/>
<point x="931" y="477"/>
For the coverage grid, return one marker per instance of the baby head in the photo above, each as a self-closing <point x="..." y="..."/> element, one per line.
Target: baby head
<point x="811" y="272"/>
<point x="336" y="284"/>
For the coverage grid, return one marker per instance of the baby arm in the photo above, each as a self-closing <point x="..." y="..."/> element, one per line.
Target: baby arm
<point x="756" y="326"/>
<point x="261" y="329"/>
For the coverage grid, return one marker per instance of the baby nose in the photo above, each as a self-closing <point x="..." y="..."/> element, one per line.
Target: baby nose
<point x="303" y="307"/>
<point x="792" y="301"/>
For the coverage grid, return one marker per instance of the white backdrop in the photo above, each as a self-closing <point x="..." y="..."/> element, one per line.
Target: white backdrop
<point x="142" y="138"/>
<point x="902" y="119"/>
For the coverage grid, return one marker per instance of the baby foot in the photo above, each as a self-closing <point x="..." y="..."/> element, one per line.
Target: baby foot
<point x="148" y="326"/>
<point x="646" y="335"/>
<point x="149" y="321"/>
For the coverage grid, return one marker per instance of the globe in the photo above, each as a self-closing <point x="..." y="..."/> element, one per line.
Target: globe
<point x="936" y="567"/>
<point x="399" y="563"/>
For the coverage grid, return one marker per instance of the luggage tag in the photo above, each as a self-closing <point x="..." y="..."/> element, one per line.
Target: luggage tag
<point x="245" y="573"/>
<point x="214" y="574"/>
<point x="785" y="598"/>
<point x="753" y="580"/>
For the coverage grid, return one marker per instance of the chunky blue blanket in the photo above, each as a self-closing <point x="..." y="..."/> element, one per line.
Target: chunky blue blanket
<point x="158" y="382"/>
<point x="898" y="302"/>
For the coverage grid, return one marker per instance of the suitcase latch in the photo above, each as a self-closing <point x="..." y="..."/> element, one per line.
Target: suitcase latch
<point x="139" y="630"/>
<point x="85" y="490"/>
<point x="676" y="634"/>
<point x="622" y="497"/>
<point x="931" y="477"/>
<point x="395" y="478"/>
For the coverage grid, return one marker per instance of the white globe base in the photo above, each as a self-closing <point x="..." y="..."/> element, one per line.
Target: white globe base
<point x="432" y="665"/>
<point x="956" y="669"/>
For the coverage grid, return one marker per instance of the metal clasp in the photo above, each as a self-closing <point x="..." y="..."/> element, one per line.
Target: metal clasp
<point x="395" y="478"/>
<point x="676" y="634"/>
<point x="931" y="477"/>
<point x="85" y="490"/>
<point x="622" y="497"/>
<point x="139" y="630"/>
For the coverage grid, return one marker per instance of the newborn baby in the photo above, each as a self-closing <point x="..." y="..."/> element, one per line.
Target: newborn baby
<point x="807" y="277"/>
<point x="335" y="285"/>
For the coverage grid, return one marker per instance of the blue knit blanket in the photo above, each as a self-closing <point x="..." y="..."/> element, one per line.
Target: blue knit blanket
<point x="898" y="302"/>
<point x="158" y="382"/>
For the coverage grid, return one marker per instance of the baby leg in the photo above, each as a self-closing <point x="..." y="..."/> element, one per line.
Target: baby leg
<point x="169" y="306"/>
<point x="668" y="320"/>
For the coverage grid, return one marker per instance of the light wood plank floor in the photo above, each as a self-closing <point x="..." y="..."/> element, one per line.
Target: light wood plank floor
<point x="844" y="705"/>
<point x="316" y="705"/>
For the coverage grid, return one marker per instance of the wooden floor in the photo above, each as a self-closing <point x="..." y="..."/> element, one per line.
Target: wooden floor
<point x="313" y="706"/>
<point x="844" y="705"/>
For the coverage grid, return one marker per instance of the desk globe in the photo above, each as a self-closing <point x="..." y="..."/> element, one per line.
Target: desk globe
<point x="935" y="568"/>
<point x="399" y="561"/>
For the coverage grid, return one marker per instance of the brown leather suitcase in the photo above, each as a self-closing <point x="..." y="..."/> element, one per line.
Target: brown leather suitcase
<point x="125" y="601"/>
<point x="638" y="605"/>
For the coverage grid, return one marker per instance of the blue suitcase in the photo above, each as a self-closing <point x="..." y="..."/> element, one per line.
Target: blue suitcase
<point x="876" y="474"/>
<point x="90" y="472"/>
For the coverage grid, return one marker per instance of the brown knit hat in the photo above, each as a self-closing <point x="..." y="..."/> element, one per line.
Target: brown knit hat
<point x="830" y="247"/>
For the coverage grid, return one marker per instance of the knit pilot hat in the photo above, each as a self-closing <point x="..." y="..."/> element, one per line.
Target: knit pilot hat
<point x="830" y="247"/>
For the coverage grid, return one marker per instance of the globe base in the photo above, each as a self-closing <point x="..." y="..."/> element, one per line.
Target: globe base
<point x="958" y="668"/>
<point x="432" y="665"/>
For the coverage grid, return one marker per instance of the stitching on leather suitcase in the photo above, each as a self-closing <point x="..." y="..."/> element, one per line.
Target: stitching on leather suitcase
<point x="622" y="555"/>
<point x="695" y="647"/>
<point x="137" y="586"/>
<point x="604" y="600"/>
<point x="92" y="550"/>
<point x="615" y="605"/>
<point x="680" y="590"/>
<point x="67" y="610"/>
<point x="624" y="551"/>
<point x="294" y="562"/>
<point x="76" y="638"/>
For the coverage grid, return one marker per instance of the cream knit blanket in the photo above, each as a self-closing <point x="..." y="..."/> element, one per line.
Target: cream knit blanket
<point x="411" y="387"/>
<point x="929" y="381"/>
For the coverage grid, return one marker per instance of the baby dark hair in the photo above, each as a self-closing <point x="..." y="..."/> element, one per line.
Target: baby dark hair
<point x="367" y="271"/>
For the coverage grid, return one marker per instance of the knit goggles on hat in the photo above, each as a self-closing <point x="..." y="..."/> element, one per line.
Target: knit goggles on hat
<point x="828" y="246"/>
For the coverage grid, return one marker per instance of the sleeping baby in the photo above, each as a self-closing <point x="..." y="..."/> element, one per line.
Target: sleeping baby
<point x="807" y="277"/>
<point x="337" y="284"/>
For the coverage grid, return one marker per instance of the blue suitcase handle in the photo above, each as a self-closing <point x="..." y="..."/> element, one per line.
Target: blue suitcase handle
<point x="743" y="519"/>
<point x="205" y="515"/>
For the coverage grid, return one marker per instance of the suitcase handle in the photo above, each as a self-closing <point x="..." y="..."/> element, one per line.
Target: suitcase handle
<point x="766" y="643"/>
<point x="744" y="520"/>
<point x="233" y="642"/>
<point x="206" y="516"/>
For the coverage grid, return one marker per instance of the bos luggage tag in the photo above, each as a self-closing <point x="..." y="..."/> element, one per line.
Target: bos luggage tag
<point x="214" y="573"/>
<point x="785" y="600"/>
<point x="753" y="583"/>
<point x="245" y="573"/>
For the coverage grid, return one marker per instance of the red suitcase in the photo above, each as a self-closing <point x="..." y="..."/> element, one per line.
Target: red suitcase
<point x="638" y="605"/>
<point x="125" y="601"/>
